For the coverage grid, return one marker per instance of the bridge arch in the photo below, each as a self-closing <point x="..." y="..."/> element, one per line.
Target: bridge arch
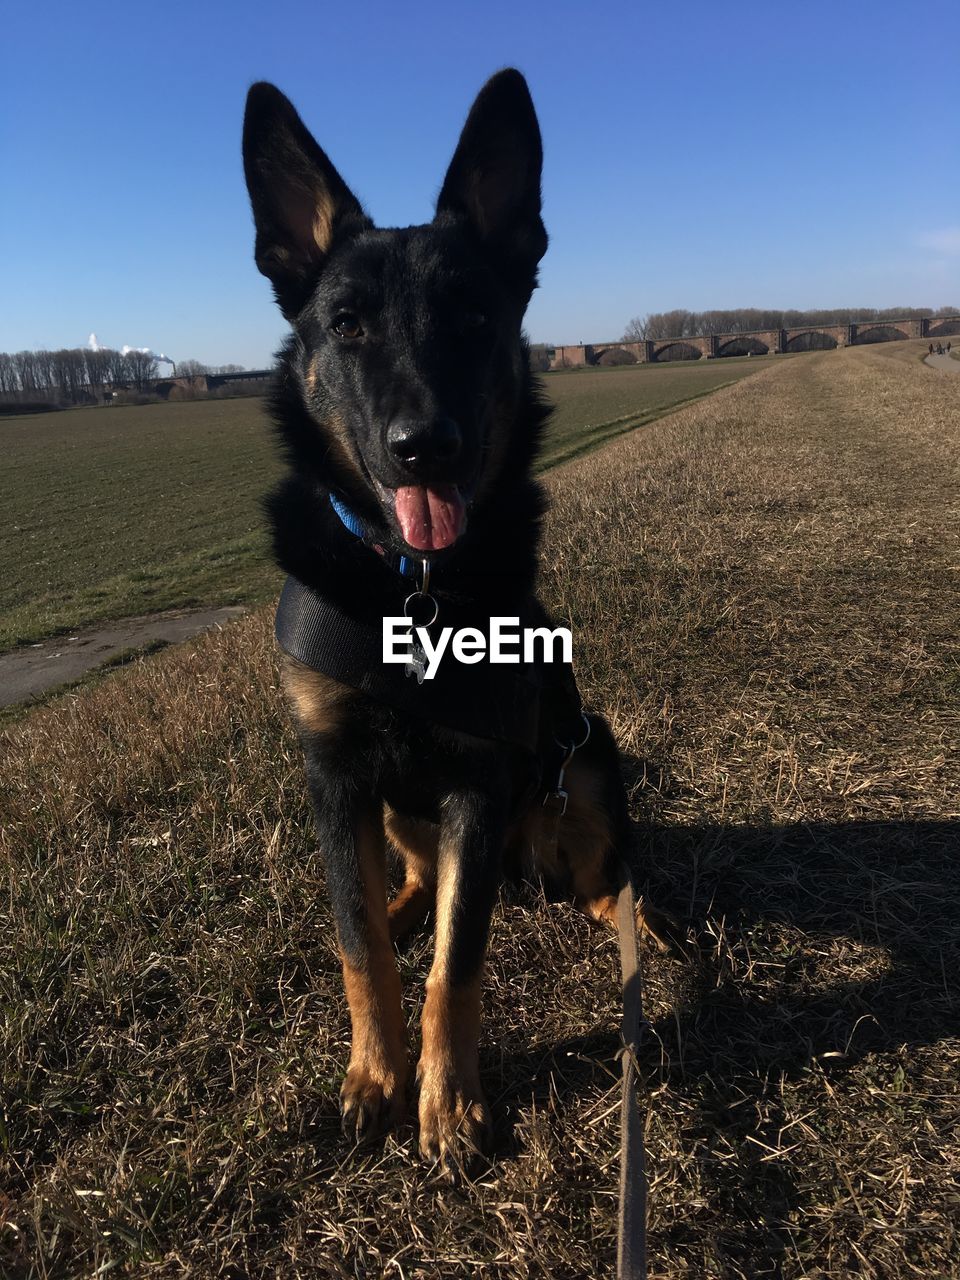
<point x="811" y="340"/>
<point x="944" y="328"/>
<point x="678" y="350"/>
<point x="743" y="345"/>
<point x="879" y="333"/>
<point x="615" y="356"/>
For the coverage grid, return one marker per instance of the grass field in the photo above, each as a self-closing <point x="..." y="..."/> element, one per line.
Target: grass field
<point x="764" y="599"/>
<point x="108" y="513"/>
<point x="112" y="512"/>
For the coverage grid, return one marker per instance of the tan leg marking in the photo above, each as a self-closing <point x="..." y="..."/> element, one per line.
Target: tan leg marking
<point x="454" y="1117"/>
<point x="372" y="1097"/>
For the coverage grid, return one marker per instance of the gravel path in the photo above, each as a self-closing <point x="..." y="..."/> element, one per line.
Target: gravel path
<point x="943" y="362"/>
<point x="27" y="672"/>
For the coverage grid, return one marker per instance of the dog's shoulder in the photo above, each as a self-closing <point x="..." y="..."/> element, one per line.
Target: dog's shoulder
<point x="320" y="704"/>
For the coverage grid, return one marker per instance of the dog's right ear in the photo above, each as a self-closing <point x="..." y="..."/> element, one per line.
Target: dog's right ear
<point x="300" y="202"/>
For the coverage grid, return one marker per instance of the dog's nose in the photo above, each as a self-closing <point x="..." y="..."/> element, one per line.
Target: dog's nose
<point x="420" y="445"/>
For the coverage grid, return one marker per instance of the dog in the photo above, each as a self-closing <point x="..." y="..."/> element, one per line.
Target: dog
<point x="410" y="420"/>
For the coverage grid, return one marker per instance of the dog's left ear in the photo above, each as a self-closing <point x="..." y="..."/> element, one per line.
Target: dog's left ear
<point x="494" y="177"/>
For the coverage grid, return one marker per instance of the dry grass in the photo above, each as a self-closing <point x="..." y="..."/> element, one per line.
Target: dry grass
<point x="593" y="406"/>
<point x="763" y="588"/>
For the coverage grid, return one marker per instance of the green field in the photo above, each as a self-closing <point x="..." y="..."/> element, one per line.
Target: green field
<point x="108" y="513"/>
<point x="120" y="511"/>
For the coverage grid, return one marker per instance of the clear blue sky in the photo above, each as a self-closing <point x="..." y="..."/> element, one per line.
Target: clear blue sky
<point x="697" y="154"/>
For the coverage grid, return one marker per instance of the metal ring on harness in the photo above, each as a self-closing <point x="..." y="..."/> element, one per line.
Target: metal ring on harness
<point x="573" y="747"/>
<point x="425" y="596"/>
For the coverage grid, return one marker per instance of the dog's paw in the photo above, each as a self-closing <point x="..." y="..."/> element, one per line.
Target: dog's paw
<point x="454" y="1129"/>
<point x="370" y="1104"/>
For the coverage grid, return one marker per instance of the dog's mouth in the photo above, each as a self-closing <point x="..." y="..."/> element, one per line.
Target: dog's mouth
<point x="431" y="517"/>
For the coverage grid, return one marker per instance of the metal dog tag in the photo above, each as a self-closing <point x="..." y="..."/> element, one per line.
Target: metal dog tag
<point x="416" y="663"/>
<point x="419" y="602"/>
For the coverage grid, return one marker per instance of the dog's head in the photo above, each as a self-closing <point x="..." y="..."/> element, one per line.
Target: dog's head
<point x="407" y="353"/>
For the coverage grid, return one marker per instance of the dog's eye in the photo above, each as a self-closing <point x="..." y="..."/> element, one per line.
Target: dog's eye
<point x="347" y="326"/>
<point x="474" y="320"/>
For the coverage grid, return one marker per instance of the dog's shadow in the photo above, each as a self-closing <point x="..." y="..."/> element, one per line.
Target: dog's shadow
<point x="856" y="927"/>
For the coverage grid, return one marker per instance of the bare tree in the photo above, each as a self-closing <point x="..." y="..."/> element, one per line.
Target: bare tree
<point x="685" y="324"/>
<point x="44" y="371"/>
<point x="98" y="368"/>
<point x="636" y="330"/>
<point x="8" y="374"/>
<point x="191" y="369"/>
<point x="67" y="369"/>
<point x="119" y="368"/>
<point x="668" y="324"/>
<point x="25" y="363"/>
<point x="143" y="368"/>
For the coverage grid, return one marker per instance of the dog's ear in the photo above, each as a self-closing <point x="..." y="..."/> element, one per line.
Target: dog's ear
<point x="494" y="177"/>
<point x="300" y="202"/>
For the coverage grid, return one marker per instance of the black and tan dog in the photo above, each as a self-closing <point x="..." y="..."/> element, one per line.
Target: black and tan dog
<point x="410" y="420"/>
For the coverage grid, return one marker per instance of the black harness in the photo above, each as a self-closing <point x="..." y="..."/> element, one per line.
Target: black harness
<point x="487" y="700"/>
<point x="531" y="705"/>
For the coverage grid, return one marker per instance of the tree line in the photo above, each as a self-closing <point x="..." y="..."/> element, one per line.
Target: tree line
<point x="698" y="324"/>
<point x="78" y="375"/>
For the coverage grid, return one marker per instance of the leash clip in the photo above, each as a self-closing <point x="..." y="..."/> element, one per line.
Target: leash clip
<point x="556" y="800"/>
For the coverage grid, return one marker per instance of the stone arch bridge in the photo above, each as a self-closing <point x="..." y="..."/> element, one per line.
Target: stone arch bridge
<point x="760" y="343"/>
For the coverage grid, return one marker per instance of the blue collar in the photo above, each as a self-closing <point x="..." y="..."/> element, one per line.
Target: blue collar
<point x="353" y="524"/>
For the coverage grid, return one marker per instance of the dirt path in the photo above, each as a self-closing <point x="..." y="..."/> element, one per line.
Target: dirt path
<point x="27" y="672"/>
<point x="943" y="362"/>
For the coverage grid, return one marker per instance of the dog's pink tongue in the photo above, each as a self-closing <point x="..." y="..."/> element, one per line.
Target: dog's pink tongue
<point x="430" y="518"/>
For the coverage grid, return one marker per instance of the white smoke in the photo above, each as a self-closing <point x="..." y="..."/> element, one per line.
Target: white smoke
<point x="157" y="355"/>
<point x="94" y="343"/>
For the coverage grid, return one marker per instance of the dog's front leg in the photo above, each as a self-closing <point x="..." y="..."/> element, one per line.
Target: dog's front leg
<point x="454" y="1118"/>
<point x="350" y="828"/>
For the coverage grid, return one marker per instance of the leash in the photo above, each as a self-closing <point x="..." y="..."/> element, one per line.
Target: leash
<point x="632" y="1215"/>
<point x="632" y="1211"/>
